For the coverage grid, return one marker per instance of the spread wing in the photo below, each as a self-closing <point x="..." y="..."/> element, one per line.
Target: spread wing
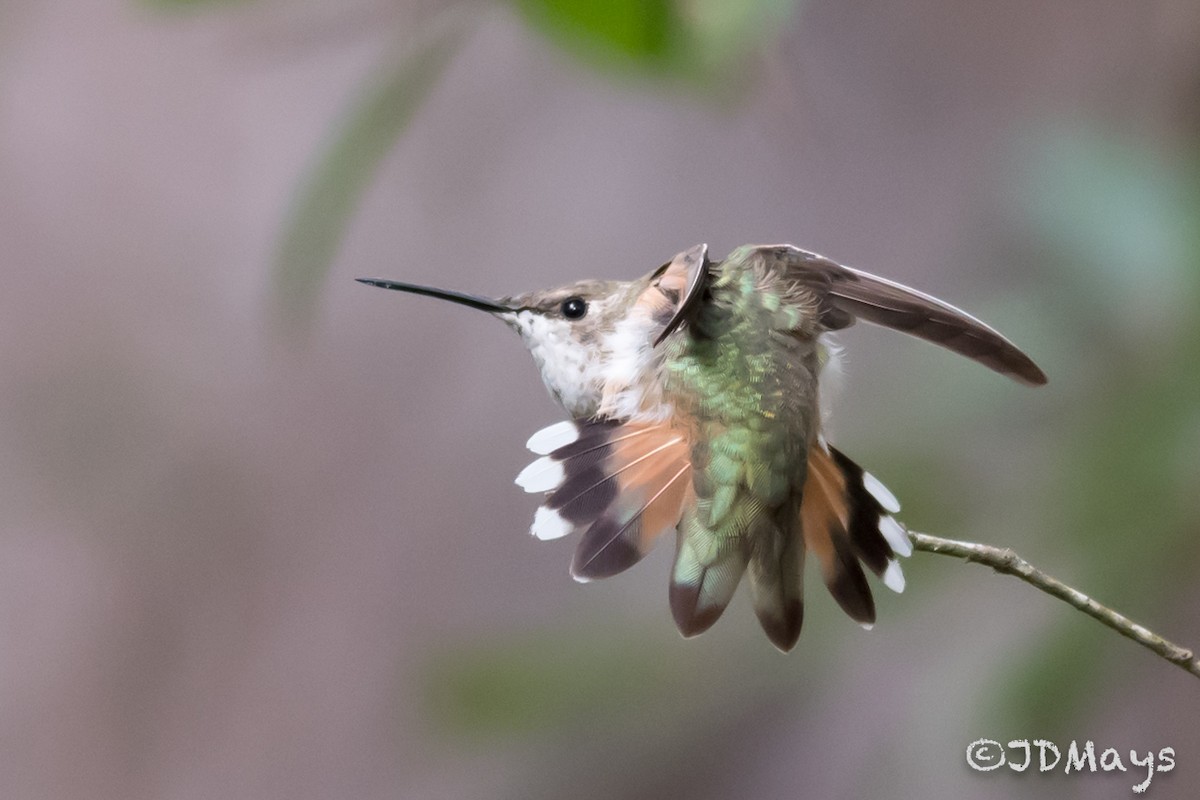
<point x="846" y="294"/>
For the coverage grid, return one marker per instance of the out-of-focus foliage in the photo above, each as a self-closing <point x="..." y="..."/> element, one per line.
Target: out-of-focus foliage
<point x="1120" y="221"/>
<point x="637" y="699"/>
<point x="556" y="679"/>
<point x="697" y="40"/>
<point x="326" y="201"/>
<point x="644" y="32"/>
<point x="545" y="682"/>
<point x="1123" y="218"/>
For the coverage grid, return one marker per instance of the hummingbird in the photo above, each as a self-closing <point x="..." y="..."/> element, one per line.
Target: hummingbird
<point x="694" y="403"/>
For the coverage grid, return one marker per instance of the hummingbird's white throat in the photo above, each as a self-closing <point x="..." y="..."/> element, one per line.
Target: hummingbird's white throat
<point x="572" y="370"/>
<point x="593" y="368"/>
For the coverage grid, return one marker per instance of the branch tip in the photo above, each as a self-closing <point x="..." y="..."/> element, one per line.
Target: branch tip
<point x="1006" y="561"/>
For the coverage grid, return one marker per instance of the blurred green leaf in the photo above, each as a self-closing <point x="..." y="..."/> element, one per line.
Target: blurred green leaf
<point x="326" y="201"/>
<point x="1123" y="213"/>
<point x="637" y="29"/>
<point x="695" y="39"/>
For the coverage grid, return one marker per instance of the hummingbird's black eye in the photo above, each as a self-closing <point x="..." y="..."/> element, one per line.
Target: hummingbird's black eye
<point x="574" y="308"/>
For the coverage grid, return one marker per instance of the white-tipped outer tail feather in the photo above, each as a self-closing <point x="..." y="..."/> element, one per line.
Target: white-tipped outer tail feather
<point x="896" y="536"/>
<point x="552" y="437"/>
<point x="847" y="525"/>
<point x="893" y="577"/>
<point x="880" y="492"/>
<point x="549" y="524"/>
<point x="542" y="475"/>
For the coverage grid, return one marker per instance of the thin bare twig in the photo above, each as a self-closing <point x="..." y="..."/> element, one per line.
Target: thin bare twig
<point x="1004" y="560"/>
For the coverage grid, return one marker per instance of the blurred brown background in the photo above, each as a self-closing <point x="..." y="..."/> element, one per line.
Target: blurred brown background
<point x="258" y="533"/>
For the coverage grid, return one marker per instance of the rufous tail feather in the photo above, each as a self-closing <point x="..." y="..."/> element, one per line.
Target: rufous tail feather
<point x="846" y="518"/>
<point x="624" y="485"/>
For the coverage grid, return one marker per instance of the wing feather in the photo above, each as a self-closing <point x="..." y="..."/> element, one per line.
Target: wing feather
<point x="845" y="293"/>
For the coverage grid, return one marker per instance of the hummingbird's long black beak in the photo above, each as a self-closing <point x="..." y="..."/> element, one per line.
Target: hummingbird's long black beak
<point x="470" y="300"/>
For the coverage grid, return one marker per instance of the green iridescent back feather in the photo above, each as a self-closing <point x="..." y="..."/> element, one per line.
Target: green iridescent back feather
<point x="745" y="378"/>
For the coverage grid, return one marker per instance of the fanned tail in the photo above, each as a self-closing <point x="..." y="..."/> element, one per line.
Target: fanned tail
<point x="846" y="518"/>
<point x="623" y="484"/>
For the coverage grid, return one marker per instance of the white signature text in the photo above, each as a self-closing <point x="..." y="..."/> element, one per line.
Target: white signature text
<point x="985" y="755"/>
